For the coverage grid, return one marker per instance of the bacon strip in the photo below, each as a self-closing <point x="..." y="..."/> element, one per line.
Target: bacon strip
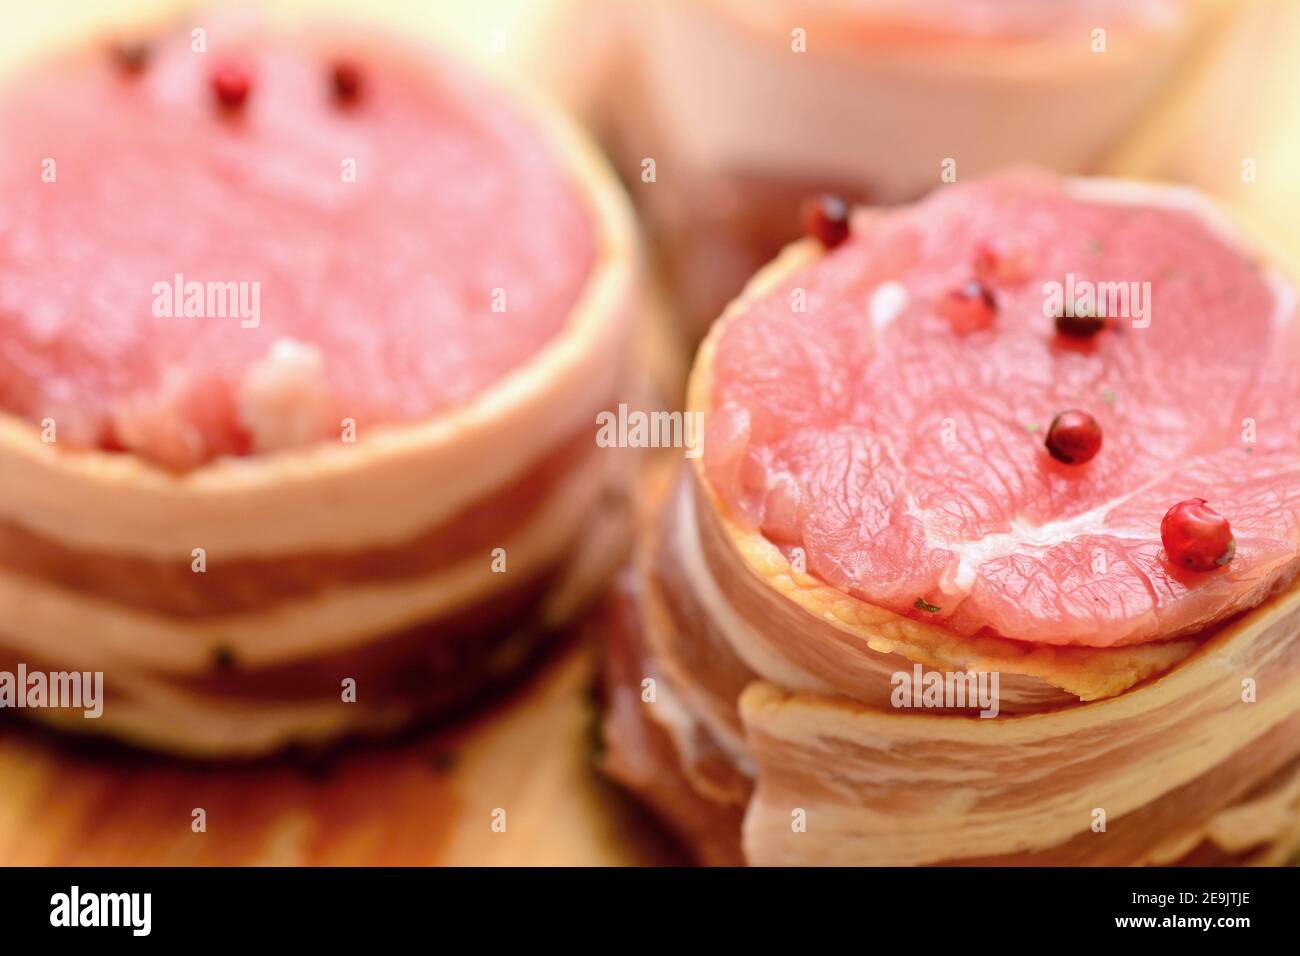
<point x="246" y="584"/>
<point x="1183" y="768"/>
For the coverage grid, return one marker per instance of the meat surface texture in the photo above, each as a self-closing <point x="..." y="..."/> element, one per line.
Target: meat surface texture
<point x="871" y="512"/>
<point x="382" y="260"/>
<point x="905" y="456"/>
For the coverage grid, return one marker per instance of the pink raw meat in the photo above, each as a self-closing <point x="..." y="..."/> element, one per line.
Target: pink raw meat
<point x="992" y="20"/>
<point x="907" y="458"/>
<point x="376" y="296"/>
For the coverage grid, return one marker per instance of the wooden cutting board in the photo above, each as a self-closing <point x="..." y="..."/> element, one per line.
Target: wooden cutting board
<point x="427" y="800"/>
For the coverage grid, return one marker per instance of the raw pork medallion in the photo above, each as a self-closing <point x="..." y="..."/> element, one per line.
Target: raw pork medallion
<point x="989" y="557"/>
<point x="747" y="106"/>
<point x="301" y="340"/>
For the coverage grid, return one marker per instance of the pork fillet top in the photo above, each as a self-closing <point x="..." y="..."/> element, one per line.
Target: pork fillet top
<point x="853" y="415"/>
<point x="409" y="242"/>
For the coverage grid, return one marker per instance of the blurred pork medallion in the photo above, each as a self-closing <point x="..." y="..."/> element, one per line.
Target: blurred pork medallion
<point x="301" y="337"/>
<point x="725" y="114"/>
<point x="891" y="617"/>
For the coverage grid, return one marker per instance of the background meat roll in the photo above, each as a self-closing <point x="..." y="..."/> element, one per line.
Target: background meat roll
<point x="302" y="336"/>
<point x="745" y="107"/>
<point x="990" y="554"/>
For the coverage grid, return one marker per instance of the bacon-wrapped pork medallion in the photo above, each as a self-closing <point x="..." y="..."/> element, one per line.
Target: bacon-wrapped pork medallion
<point x="990" y="556"/>
<point x="302" y="338"/>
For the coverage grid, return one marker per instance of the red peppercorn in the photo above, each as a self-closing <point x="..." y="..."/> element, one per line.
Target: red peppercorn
<point x="1079" y="325"/>
<point x="346" y="77"/>
<point x="1196" y="536"/>
<point x="131" y="56"/>
<point x="1074" y="437"/>
<point x="826" y="218"/>
<point x="231" y="85"/>
<point x="969" y="308"/>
